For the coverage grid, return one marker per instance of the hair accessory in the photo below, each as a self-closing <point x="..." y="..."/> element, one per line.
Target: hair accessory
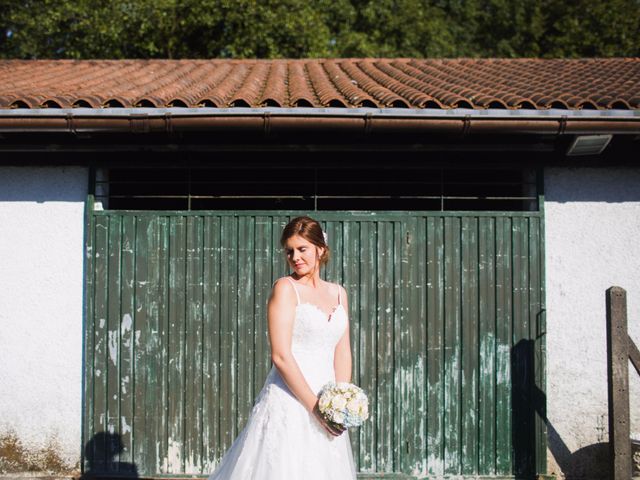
<point x="325" y="236"/>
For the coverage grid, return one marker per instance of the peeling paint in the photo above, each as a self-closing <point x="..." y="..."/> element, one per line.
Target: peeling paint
<point x="503" y="356"/>
<point x="113" y="346"/>
<point x="126" y="323"/>
<point x="173" y="460"/>
<point x="126" y="428"/>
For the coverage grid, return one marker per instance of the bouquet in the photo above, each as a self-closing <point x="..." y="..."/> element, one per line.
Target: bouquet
<point x="343" y="404"/>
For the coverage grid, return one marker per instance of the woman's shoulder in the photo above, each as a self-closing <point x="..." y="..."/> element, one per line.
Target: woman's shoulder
<point x="337" y="286"/>
<point x="282" y="286"/>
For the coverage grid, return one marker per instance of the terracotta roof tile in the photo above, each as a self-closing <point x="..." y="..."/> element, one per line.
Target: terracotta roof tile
<point x="274" y="92"/>
<point x="349" y="87"/>
<point x="300" y="93"/>
<point x="327" y="93"/>
<point x="380" y="83"/>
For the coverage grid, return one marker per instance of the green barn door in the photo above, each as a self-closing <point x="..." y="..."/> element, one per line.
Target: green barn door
<point x="447" y="332"/>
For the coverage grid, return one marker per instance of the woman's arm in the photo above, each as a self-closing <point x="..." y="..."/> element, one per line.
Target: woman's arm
<point x="280" y="316"/>
<point x="342" y="358"/>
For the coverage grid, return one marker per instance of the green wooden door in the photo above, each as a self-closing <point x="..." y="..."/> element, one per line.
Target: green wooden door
<point x="447" y="322"/>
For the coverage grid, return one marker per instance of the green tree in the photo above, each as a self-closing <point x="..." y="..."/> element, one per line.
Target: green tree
<point x="509" y="28"/>
<point x="584" y="28"/>
<point x="323" y="28"/>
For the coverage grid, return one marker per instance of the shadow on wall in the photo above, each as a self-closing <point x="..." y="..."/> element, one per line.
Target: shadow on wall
<point x="611" y="185"/>
<point x="590" y="462"/>
<point x="101" y="454"/>
<point x="43" y="183"/>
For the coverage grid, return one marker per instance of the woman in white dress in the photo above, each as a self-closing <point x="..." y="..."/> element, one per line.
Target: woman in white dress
<point x="285" y="437"/>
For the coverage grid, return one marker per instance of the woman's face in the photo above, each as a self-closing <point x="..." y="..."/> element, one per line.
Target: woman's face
<point x="302" y="255"/>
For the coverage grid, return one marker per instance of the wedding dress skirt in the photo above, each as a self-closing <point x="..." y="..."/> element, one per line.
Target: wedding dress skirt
<point x="281" y="439"/>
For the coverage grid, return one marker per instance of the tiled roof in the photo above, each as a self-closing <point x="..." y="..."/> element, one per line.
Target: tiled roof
<point x="380" y="83"/>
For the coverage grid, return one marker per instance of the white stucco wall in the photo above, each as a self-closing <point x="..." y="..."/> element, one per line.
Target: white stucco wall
<point x="41" y="282"/>
<point x="592" y="243"/>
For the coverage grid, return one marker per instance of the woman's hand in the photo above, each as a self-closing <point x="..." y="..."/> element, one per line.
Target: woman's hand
<point x="333" y="429"/>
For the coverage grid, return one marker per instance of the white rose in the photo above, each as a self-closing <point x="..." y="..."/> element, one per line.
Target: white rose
<point x="323" y="403"/>
<point x="338" y="417"/>
<point x="353" y="406"/>
<point x="339" y="402"/>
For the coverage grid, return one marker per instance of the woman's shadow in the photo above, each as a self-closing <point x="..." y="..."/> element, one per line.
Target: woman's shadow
<point x="100" y="456"/>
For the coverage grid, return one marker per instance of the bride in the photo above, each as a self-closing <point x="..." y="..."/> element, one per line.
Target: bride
<point x="286" y="437"/>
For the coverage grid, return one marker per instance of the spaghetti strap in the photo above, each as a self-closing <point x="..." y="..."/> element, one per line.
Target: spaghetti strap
<point x="339" y="299"/>
<point x="294" y="289"/>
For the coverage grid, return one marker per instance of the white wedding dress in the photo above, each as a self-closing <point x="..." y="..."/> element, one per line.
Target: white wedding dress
<point x="281" y="439"/>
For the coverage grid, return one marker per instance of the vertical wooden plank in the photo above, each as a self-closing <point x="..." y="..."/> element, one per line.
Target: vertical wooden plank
<point x="176" y="346"/>
<point x="228" y="332"/>
<point x="367" y="341"/>
<point x="520" y="278"/>
<point x="435" y="345"/>
<point x="141" y="431"/>
<point x="400" y="447"/>
<point x="350" y="267"/>
<point x="469" y="318"/>
<point x="419" y="276"/>
<point x="246" y="316"/>
<point x="101" y="340"/>
<point x="164" y="326"/>
<point x="113" y="327"/>
<point x="522" y="355"/>
<point x="146" y="374"/>
<point x="382" y="390"/>
<point x="193" y="346"/>
<point x="406" y="380"/>
<point x="333" y="269"/>
<point x="537" y="304"/>
<point x="127" y="322"/>
<point x="487" y="318"/>
<point x="412" y="339"/>
<point x="211" y="395"/>
<point x="503" y="346"/>
<point x="262" y="287"/>
<point x="280" y="265"/>
<point x="452" y="342"/>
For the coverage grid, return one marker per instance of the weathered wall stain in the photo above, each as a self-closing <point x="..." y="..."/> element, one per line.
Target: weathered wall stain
<point x="16" y="457"/>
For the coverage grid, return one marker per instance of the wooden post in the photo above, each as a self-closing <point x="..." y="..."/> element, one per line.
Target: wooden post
<point x="618" y="379"/>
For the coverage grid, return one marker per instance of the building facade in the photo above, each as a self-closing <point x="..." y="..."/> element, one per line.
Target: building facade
<point x="139" y="243"/>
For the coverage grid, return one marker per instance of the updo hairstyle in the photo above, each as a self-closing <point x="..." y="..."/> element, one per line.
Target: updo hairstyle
<point x="310" y="230"/>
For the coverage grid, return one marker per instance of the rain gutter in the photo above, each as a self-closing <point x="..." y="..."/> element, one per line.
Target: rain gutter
<point x="368" y="121"/>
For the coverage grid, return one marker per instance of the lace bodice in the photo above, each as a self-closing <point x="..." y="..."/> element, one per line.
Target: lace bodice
<point x="313" y="333"/>
<point x="314" y="339"/>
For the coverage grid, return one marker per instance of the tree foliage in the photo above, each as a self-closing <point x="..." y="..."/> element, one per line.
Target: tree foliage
<point x="322" y="28"/>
